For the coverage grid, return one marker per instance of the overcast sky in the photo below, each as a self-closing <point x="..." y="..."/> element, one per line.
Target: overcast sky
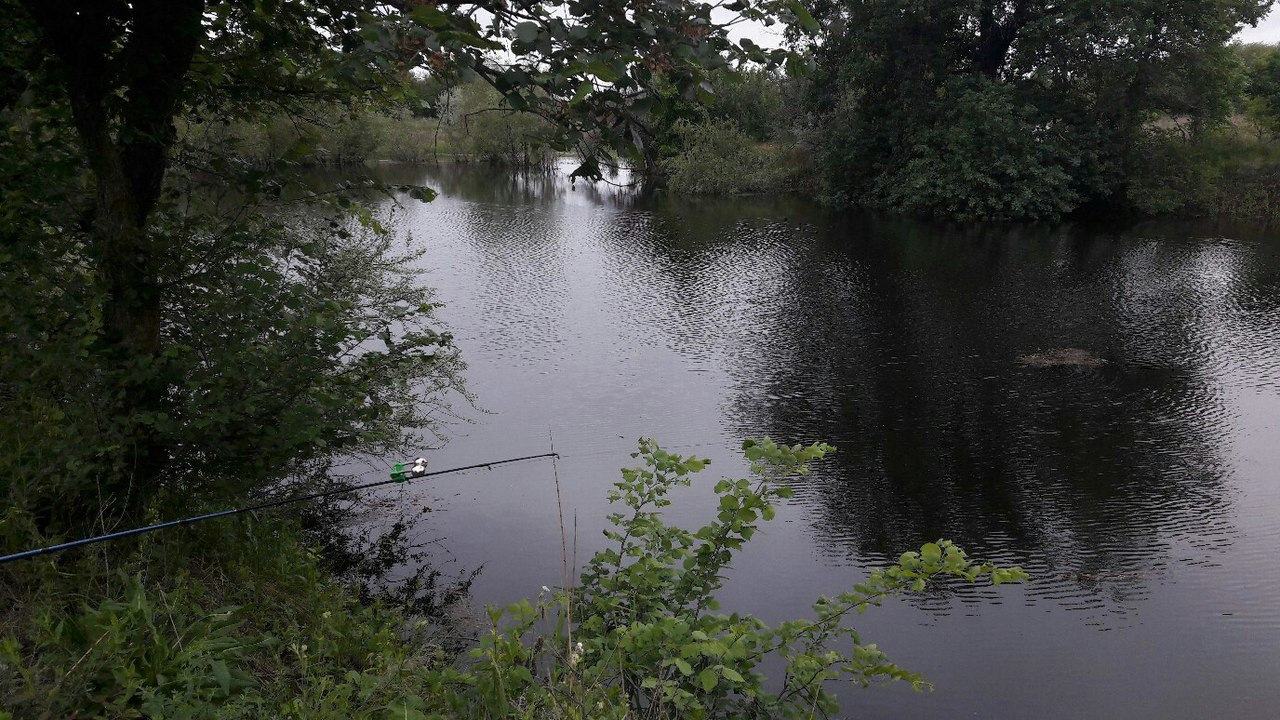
<point x="1268" y="31"/>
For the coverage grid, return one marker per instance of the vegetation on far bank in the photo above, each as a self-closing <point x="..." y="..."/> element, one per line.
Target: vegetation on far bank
<point x="1203" y="140"/>
<point x="1186" y="126"/>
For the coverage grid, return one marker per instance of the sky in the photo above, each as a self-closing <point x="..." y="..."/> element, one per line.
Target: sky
<point x="1267" y="31"/>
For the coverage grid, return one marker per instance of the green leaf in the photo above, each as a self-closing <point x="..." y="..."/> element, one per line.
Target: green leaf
<point x="222" y="675"/>
<point x="430" y="16"/>
<point x="603" y="71"/>
<point x="930" y="552"/>
<point x="806" y="20"/>
<point x="708" y="679"/>
<point x="527" y="32"/>
<point x="583" y="90"/>
<point x="683" y="666"/>
<point x="730" y="674"/>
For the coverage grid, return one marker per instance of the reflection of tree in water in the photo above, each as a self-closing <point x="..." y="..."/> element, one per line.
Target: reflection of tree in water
<point x="898" y="343"/>
<point x="686" y="263"/>
<point x="503" y="186"/>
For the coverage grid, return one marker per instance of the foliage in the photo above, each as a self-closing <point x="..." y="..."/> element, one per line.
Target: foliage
<point x="409" y="139"/>
<point x="1223" y="174"/>
<point x="239" y="620"/>
<point x="131" y="664"/>
<point x="1263" y="98"/>
<point x="1249" y="193"/>
<point x="483" y="126"/>
<point x="1169" y="173"/>
<point x="120" y="252"/>
<point x="322" y="136"/>
<point x="1076" y="83"/>
<point x="474" y="122"/>
<point x="759" y="101"/>
<point x="984" y="158"/>
<point x="296" y="341"/>
<point x="749" y="101"/>
<point x="719" y="158"/>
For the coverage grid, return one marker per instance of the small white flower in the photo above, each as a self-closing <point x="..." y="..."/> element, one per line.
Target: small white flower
<point x="546" y="589"/>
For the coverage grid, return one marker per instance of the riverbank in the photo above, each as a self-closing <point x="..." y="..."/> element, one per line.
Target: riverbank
<point x="1226" y="176"/>
<point x="1229" y="173"/>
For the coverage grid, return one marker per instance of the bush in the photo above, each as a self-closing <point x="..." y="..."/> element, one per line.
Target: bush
<point x="984" y="158"/>
<point x="291" y="345"/>
<point x="1169" y="175"/>
<point x="409" y="140"/>
<point x="717" y="158"/>
<point x="236" y="620"/>
<point x="1248" y="193"/>
<point x="1216" y="174"/>
<point x="641" y="636"/>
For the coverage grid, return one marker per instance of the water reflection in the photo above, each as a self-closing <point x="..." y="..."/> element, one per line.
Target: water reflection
<point x="1082" y="474"/>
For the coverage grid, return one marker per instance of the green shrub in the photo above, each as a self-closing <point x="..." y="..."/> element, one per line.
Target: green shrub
<point x="1248" y="193"/>
<point x="409" y="140"/>
<point x="1220" y="174"/>
<point x="230" y="620"/>
<point x="717" y="158"/>
<point x="1169" y="175"/>
<point x="985" y="158"/>
<point x="642" y="635"/>
<point x="156" y="655"/>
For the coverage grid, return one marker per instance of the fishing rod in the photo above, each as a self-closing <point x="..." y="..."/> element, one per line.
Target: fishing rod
<point x="399" y="474"/>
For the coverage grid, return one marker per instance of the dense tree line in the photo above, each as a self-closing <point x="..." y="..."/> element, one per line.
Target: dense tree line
<point x="1023" y="109"/>
<point x="1012" y="109"/>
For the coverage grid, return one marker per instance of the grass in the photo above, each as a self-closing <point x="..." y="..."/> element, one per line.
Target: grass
<point x="238" y="619"/>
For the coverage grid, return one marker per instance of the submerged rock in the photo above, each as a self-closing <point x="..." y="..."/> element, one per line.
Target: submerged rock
<point x="1062" y="357"/>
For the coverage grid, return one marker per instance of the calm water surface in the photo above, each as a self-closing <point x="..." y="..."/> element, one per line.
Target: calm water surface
<point x="1142" y="494"/>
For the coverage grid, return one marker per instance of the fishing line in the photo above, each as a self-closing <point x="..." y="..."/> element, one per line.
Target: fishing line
<point x="399" y="475"/>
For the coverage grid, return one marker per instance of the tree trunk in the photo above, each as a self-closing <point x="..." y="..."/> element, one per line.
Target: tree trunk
<point x="123" y="67"/>
<point x="993" y="42"/>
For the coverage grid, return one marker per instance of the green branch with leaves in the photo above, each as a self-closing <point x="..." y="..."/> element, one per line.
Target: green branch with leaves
<point x="651" y="642"/>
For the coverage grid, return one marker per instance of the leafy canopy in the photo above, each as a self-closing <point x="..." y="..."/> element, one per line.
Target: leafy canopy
<point x="1010" y="110"/>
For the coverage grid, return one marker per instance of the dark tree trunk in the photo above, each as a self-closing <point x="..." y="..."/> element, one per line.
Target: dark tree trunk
<point x="994" y="40"/>
<point x="996" y="35"/>
<point x="123" y="68"/>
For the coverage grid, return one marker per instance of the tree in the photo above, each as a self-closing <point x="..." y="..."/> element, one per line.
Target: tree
<point x="1083" y="79"/>
<point x="126" y="209"/>
<point x="1262" y="98"/>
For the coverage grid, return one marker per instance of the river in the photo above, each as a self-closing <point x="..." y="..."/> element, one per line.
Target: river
<point x="1135" y="476"/>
